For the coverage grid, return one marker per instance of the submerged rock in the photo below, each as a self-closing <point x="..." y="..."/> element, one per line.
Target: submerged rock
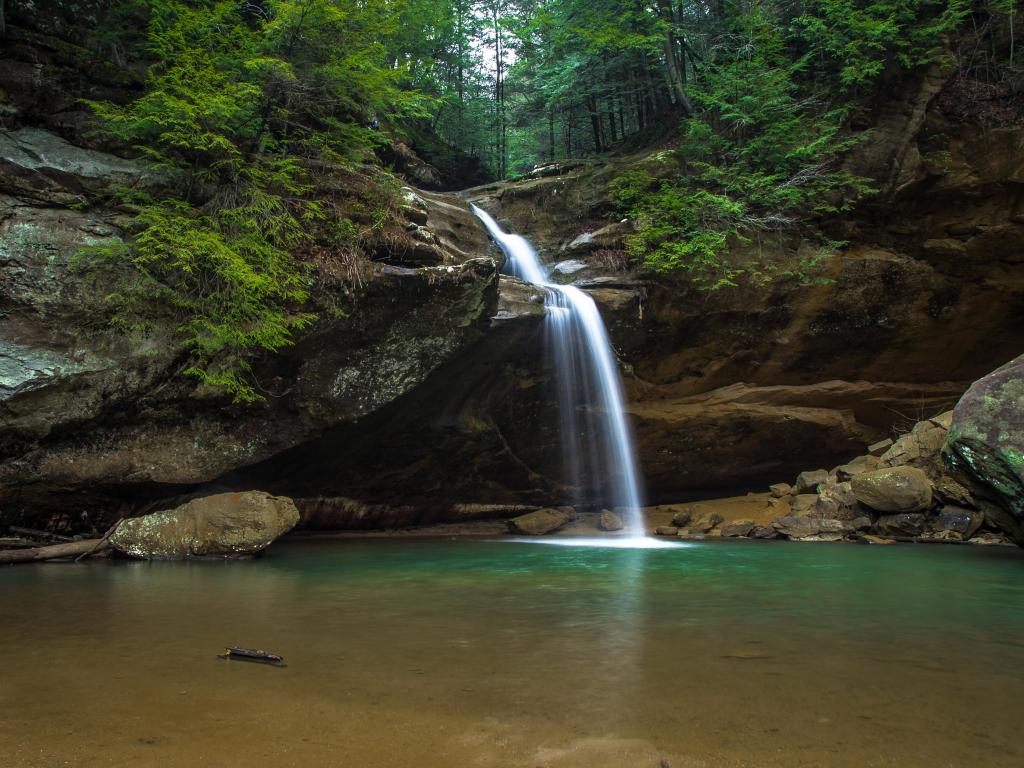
<point x="542" y="521"/>
<point x="868" y="538"/>
<point x="985" y="447"/>
<point x="227" y="525"/>
<point x="894" y="489"/>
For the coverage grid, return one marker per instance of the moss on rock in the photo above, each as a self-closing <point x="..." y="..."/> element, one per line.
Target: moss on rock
<point x="985" y="448"/>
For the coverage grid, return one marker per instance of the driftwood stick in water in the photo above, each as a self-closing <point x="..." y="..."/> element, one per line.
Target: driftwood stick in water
<point x="51" y="552"/>
<point x="101" y="542"/>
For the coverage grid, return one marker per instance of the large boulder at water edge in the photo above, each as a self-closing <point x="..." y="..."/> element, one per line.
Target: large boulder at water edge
<point x="985" y="447"/>
<point x="542" y="521"/>
<point x="610" y="521"/>
<point x="894" y="489"/>
<point x="811" y="528"/>
<point x="225" y="525"/>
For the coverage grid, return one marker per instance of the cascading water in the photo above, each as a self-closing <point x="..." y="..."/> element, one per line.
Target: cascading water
<point x="583" y="359"/>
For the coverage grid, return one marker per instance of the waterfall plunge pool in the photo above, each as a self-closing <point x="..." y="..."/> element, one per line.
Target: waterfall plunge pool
<point x="441" y="653"/>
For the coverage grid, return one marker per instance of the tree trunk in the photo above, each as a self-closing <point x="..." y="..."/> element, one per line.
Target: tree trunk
<point x="638" y="102"/>
<point x="595" y="121"/>
<point x="674" y="74"/>
<point x="551" y="133"/>
<point x="568" y="133"/>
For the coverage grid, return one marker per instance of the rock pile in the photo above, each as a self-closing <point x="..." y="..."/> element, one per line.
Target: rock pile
<point x="902" y="490"/>
<point x="898" y="490"/>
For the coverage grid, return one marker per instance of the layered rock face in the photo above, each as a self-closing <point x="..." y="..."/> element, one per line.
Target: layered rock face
<point x="91" y="411"/>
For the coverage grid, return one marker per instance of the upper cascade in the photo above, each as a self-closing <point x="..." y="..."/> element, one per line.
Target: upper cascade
<point x="596" y="439"/>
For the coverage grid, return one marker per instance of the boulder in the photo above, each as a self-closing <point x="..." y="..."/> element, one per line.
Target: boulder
<point x="609" y="521"/>
<point x="738" y="528"/>
<point x="764" y="532"/>
<point x="803" y="503"/>
<point x="779" y="490"/>
<point x="706" y="523"/>
<point x="807" y="482"/>
<point x="920" y="447"/>
<point x="957" y="522"/>
<point x="542" y="521"/>
<point x="951" y="492"/>
<point x="666" y="530"/>
<point x="985" y="447"/>
<point x="681" y="516"/>
<point x="811" y="528"/>
<point x="894" y="489"/>
<point x="836" y="501"/>
<point x="227" y="525"/>
<point x="903" y="524"/>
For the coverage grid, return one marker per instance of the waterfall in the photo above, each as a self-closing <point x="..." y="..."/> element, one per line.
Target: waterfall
<point x="584" y="362"/>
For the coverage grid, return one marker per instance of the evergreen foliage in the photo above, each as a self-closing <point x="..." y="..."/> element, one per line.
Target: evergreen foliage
<point x="241" y="110"/>
<point x="257" y="114"/>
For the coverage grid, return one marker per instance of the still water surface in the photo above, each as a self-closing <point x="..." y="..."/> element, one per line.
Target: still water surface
<point x="432" y="653"/>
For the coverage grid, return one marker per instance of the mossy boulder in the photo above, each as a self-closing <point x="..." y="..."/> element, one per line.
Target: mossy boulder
<point x="985" y="447"/>
<point x="226" y="525"/>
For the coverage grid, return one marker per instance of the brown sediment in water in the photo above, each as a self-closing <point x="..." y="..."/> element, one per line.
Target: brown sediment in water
<point x="439" y="654"/>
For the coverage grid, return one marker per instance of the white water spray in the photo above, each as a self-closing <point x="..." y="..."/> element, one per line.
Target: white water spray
<point x="583" y="356"/>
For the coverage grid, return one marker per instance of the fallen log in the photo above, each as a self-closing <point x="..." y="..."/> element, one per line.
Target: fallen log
<point x="15" y="542"/>
<point x="52" y="551"/>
